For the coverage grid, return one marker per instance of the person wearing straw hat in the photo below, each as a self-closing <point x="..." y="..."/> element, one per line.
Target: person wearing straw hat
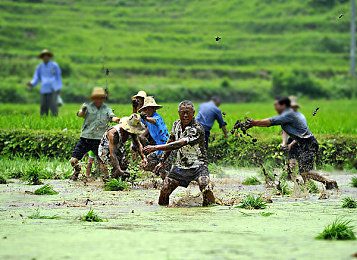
<point x="96" y="117"/>
<point x="138" y="100"/>
<point x="157" y="129"/>
<point x="49" y="73"/>
<point x="188" y="138"/>
<point x="111" y="149"/>
<point x="288" y="143"/>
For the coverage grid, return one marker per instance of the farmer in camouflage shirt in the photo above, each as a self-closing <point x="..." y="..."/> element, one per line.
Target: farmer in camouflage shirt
<point x="188" y="137"/>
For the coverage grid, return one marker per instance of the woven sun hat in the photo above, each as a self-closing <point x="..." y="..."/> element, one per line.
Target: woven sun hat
<point x="294" y="102"/>
<point x="141" y="94"/>
<point x="149" y="102"/>
<point x="132" y="124"/>
<point x="97" y="92"/>
<point x="45" y="51"/>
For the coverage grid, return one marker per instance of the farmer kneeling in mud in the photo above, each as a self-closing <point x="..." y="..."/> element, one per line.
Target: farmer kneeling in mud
<point x="157" y="129"/>
<point x="188" y="137"/>
<point x="96" y="117"/>
<point x="111" y="149"/>
<point x="307" y="145"/>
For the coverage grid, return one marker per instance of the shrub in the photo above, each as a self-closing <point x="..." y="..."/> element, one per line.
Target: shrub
<point x="339" y="230"/>
<point x="91" y="217"/>
<point x="251" y="202"/>
<point x="349" y="203"/>
<point x="32" y="175"/>
<point x="46" y="190"/>
<point x="354" y="181"/>
<point x="251" y="181"/>
<point x="115" y="185"/>
<point x="2" y="180"/>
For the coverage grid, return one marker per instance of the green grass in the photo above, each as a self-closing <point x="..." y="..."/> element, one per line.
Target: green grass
<point x="2" y="180"/>
<point x="339" y="230"/>
<point x="116" y="185"/>
<point x="251" y="181"/>
<point x="354" y="181"/>
<point x="251" y="202"/>
<point x="46" y="190"/>
<point x="349" y="203"/>
<point x="91" y="217"/>
<point x="32" y="175"/>
<point x="37" y="215"/>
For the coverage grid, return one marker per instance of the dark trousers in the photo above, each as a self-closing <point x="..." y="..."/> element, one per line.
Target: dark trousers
<point x="49" y="101"/>
<point x="207" y="134"/>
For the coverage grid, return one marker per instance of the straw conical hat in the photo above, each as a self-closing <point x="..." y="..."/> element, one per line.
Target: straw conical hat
<point x="141" y="94"/>
<point x="45" y="51"/>
<point x="132" y="124"/>
<point x="150" y="102"/>
<point x="294" y="102"/>
<point x="97" y="92"/>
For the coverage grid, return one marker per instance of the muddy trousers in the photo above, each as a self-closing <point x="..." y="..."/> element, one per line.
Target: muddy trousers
<point x="170" y="185"/>
<point x="330" y="184"/>
<point x="49" y="101"/>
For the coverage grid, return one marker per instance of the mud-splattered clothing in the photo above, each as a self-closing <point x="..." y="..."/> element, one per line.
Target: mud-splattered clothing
<point x="158" y="131"/>
<point x="185" y="176"/>
<point x="193" y="154"/>
<point x="96" y="121"/>
<point x="103" y="150"/>
<point x="306" y="151"/>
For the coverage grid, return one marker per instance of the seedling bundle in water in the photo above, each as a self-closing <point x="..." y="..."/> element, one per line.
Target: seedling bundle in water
<point x="37" y="215"/>
<point x="251" y="181"/>
<point x="46" y="190"/>
<point x="91" y="217"/>
<point x="116" y="185"/>
<point x="339" y="230"/>
<point x="349" y="203"/>
<point x="354" y="182"/>
<point x="250" y="202"/>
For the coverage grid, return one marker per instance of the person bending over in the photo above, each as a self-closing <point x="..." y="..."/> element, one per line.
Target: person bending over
<point x="307" y="145"/>
<point x="188" y="137"/>
<point x="111" y="148"/>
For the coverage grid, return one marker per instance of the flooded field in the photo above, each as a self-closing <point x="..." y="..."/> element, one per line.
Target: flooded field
<point x="135" y="227"/>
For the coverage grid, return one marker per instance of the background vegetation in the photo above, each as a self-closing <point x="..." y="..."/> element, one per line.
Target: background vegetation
<point x="168" y="48"/>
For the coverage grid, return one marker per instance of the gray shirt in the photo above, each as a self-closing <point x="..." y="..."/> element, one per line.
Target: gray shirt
<point x="293" y="124"/>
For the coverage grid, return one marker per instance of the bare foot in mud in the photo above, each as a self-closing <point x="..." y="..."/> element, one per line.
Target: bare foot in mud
<point x="208" y="198"/>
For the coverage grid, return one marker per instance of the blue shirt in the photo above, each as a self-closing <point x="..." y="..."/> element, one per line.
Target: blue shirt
<point x="302" y="117"/>
<point x="207" y="113"/>
<point x="158" y="131"/>
<point x="293" y="124"/>
<point x="50" y="76"/>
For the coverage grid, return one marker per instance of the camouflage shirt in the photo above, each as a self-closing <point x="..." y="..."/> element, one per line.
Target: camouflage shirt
<point x="193" y="154"/>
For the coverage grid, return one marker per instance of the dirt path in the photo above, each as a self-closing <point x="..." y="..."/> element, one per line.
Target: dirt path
<point x="137" y="228"/>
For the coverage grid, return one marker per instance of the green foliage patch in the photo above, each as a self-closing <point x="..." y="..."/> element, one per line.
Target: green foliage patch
<point x="251" y="202"/>
<point x="91" y="217"/>
<point x="46" y="190"/>
<point x="349" y="203"/>
<point x="251" y="181"/>
<point x="32" y="175"/>
<point x="116" y="185"/>
<point x="339" y="230"/>
<point x="354" y="181"/>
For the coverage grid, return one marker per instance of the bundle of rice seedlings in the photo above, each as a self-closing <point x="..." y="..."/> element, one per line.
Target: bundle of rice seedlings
<point x="251" y="181"/>
<point x="251" y="202"/>
<point x="37" y="215"/>
<point x="32" y="175"/>
<point x="312" y="187"/>
<point x="354" y="182"/>
<point x="2" y="180"/>
<point x="339" y="230"/>
<point x="349" y="203"/>
<point x="45" y="190"/>
<point x="91" y="217"/>
<point x="115" y="185"/>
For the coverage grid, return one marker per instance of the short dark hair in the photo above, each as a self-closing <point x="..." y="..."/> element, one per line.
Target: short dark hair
<point x="283" y="101"/>
<point x="216" y="99"/>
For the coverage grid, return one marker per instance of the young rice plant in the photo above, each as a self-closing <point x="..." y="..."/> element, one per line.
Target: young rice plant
<point x="349" y="203"/>
<point x="116" y="185"/>
<point x="339" y="230"/>
<point x="251" y="181"/>
<point x="91" y="217"/>
<point x="251" y="202"/>
<point x="46" y="190"/>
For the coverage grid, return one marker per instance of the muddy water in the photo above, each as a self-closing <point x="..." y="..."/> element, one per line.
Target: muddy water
<point x="137" y="228"/>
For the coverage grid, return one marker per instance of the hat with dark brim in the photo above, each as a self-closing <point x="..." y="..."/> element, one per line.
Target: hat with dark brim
<point x="45" y="51"/>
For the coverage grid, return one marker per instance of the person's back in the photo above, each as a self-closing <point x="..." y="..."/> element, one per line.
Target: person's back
<point x="158" y="131"/>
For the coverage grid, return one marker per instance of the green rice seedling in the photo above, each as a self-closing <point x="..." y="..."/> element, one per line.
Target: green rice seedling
<point x="251" y="202"/>
<point x="266" y="214"/>
<point x="37" y="215"/>
<point x="354" y="182"/>
<point x="284" y="188"/>
<point x="251" y="181"/>
<point x="349" y="203"/>
<point x="2" y="180"/>
<point x="115" y="185"/>
<point x="32" y="175"/>
<point x="46" y="190"/>
<point x="312" y="187"/>
<point x="91" y="217"/>
<point x="339" y="230"/>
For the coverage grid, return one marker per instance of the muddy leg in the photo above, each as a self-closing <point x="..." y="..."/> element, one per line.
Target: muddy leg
<point x="168" y="187"/>
<point x="89" y="166"/>
<point x="330" y="184"/>
<point x="103" y="169"/>
<point x="76" y="167"/>
<point x="208" y="196"/>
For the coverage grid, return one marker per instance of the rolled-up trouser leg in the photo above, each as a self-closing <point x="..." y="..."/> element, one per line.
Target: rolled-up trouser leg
<point x="208" y="196"/>
<point x="168" y="187"/>
<point x="53" y="103"/>
<point x="44" y="104"/>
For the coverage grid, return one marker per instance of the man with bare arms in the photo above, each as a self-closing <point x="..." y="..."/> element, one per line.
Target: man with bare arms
<point x="111" y="148"/>
<point x="188" y="137"/>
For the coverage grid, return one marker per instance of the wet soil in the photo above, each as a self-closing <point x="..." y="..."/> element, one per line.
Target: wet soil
<point x="136" y="227"/>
